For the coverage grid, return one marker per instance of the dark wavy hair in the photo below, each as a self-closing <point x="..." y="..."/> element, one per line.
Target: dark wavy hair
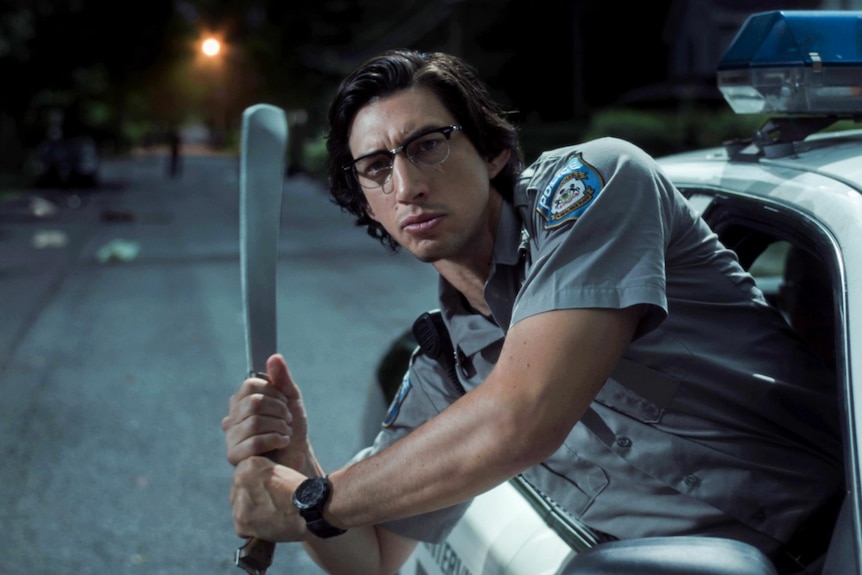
<point x="453" y="81"/>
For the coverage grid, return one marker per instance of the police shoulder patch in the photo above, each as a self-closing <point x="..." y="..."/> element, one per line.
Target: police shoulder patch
<point x="570" y="192"/>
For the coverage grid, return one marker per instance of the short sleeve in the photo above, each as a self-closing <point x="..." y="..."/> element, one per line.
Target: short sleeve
<point x="603" y="220"/>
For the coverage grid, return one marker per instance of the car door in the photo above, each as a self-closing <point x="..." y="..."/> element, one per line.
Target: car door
<point x="799" y="262"/>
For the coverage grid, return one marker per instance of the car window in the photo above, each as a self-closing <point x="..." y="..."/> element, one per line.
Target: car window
<point x="791" y="259"/>
<point x="768" y="270"/>
<point x="797" y="282"/>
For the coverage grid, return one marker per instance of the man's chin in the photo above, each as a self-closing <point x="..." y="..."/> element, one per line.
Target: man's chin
<point x="424" y="253"/>
<point x="426" y="258"/>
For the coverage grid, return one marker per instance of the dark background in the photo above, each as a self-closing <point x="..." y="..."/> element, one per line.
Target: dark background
<point x="127" y="73"/>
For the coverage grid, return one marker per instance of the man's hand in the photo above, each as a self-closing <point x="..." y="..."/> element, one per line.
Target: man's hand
<point x="261" y="496"/>
<point x="269" y="418"/>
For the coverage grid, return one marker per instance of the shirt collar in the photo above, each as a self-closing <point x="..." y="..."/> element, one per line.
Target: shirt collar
<point x="501" y="287"/>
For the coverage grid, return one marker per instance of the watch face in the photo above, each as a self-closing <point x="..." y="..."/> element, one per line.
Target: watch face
<point x="311" y="493"/>
<point x="309" y="498"/>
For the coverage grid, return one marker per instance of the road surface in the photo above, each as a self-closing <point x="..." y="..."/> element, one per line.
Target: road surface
<point x="121" y="339"/>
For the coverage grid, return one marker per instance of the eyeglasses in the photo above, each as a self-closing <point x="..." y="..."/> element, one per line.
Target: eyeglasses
<point x="428" y="149"/>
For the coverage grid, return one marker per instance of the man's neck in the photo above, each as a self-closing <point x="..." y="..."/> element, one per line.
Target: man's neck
<point x="470" y="285"/>
<point x="469" y="274"/>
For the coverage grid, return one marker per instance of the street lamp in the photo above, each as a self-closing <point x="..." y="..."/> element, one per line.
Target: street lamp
<point x="211" y="47"/>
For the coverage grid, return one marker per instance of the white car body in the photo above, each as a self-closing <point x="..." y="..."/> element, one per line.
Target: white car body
<point x="517" y="540"/>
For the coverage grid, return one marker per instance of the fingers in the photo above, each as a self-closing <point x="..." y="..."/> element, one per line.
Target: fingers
<point x="247" y="496"/>
<point x="258" y="421"/>
<point x="256" y="385"/>
<point x="241" y="445"/>
<point x="279" y="375"/>
<point x="255" y="397"/>
<point x="261" y="496"/>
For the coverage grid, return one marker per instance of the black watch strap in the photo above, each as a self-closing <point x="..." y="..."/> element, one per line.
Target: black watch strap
<point x="321" y="528"/>
<point x="310" y="498"/>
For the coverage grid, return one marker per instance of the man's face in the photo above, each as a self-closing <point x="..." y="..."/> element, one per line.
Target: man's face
<point x="444" y="212"/>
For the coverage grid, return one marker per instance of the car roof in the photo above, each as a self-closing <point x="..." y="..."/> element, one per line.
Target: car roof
<point x="835" y="155"/>
<point x="822" y="176"/>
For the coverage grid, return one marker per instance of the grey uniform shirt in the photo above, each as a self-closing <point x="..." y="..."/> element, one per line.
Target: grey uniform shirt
<point x="717" y="420"/>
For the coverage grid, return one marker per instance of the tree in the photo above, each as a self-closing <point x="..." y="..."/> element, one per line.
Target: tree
<point x="77" y="60"/>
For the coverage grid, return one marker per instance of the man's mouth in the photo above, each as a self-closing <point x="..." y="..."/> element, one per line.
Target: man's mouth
<point x="420" y="223"/>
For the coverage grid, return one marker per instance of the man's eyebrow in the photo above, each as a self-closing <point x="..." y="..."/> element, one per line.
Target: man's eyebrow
<point x="415" y="133"/>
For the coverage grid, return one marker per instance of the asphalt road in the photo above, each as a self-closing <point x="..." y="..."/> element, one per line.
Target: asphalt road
<point x="121" y="339"/>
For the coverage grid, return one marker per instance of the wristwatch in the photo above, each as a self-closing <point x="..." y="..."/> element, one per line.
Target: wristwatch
<point x="309" y="498"/>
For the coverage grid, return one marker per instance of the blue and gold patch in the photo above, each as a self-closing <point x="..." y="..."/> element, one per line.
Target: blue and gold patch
<point x="571" y="191"/>
<point x="395" y="406"/>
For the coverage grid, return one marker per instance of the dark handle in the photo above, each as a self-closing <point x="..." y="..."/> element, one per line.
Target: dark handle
<point x="255" y="556"/>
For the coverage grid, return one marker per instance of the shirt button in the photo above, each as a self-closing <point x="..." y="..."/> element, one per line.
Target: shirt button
<point x="624" y="442"/>
<point x="692" y="480"/>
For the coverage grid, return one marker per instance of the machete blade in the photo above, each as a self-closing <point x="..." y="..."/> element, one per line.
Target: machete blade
<point x="262" y="167"/>
<point x="261" y="179"/>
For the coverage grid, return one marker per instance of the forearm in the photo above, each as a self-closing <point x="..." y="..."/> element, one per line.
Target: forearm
<point x="550" y="369"/>
<point x="473" y="446"/>
<point x="389" y="487"/>
<point x="360" y="551"/>
<point x="307" y="463"/>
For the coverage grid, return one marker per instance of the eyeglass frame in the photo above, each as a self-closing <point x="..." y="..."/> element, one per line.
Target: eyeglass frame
<point x="447" y="132"/>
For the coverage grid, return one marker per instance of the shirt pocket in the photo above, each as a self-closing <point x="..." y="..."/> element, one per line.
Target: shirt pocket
<point x="638" y="391"/>
<point x="568" y="480"/>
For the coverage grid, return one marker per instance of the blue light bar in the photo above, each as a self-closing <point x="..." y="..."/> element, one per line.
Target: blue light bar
<point x="795" y="62"/>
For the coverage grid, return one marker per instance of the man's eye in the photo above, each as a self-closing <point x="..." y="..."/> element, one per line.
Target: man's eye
<point x="377" y="165"/>
<point x="425" y="145"/>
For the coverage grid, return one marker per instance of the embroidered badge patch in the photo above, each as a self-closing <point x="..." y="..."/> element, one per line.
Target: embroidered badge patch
<point x="571" y="191"/>
<point x="395" y="406"/>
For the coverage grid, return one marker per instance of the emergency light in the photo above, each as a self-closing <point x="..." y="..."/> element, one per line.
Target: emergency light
<point x="795" y="62"/>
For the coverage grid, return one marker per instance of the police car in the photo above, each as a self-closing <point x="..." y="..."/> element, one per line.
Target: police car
<point x="788" y="200"/>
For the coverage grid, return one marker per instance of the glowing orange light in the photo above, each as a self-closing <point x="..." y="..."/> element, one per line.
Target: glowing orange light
<point x="211" y="47"/>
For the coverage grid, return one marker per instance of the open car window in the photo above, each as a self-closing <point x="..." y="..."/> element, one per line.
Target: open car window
<point x="793" y="260"/>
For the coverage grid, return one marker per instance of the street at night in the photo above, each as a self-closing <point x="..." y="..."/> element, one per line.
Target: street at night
<point x="122" y="340"/>
<point x="643" y="345"/>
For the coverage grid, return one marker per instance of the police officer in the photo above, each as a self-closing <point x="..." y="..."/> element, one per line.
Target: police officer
<point x="610" y="348"/>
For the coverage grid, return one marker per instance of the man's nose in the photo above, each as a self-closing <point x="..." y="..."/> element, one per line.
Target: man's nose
<point x="408" y="180"/>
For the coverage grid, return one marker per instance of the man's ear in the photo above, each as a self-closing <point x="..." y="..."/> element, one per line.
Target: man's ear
<point x="498" y="162"/>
